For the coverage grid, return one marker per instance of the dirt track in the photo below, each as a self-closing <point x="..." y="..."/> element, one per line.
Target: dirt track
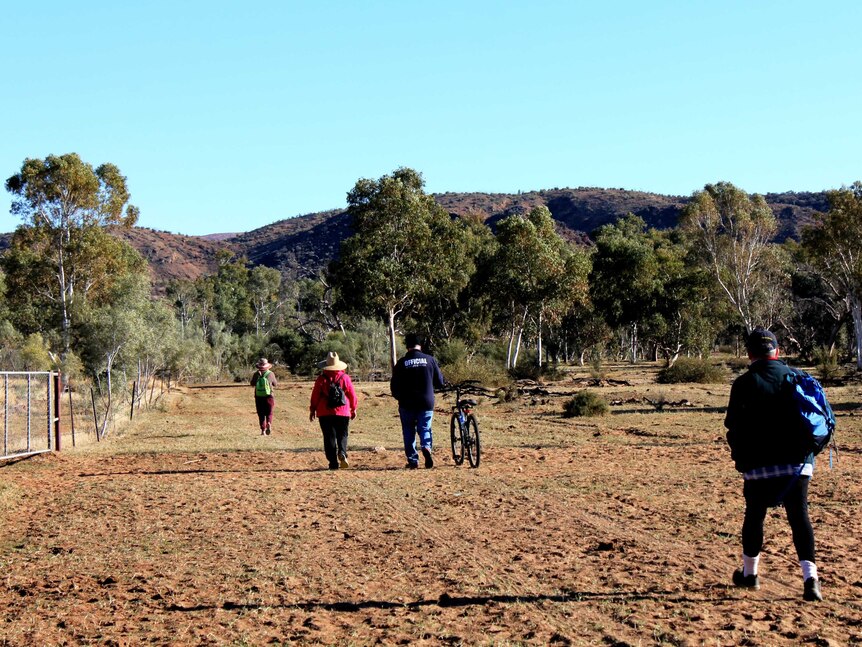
<point x="624" y="535"/>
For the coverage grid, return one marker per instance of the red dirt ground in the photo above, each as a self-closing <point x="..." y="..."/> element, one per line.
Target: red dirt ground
<point x="619" y="538"/>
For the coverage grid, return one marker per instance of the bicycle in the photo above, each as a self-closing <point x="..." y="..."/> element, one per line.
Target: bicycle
<point x="463" y="426"/>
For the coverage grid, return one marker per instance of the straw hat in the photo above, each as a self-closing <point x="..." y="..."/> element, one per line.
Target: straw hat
<point x="263" y="364"/>
<point x="332" y="363"/>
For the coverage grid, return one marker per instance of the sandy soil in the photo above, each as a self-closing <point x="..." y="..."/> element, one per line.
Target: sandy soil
<point x="619" y="531"/>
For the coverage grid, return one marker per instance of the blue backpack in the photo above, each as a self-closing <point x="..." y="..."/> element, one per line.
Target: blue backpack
<point x="817" y="421"/>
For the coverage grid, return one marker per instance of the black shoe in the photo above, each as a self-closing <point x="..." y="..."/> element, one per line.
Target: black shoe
<point x="411" y="466"/>
<point x="746" y="581"/>
<point x="812" y="590"/>
<point x="333" y="466"/>
<point x="429" y="462"/>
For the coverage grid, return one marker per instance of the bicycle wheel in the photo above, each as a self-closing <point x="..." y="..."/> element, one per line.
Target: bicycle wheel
<point x="457" y="440"/>
<point x="471" y="439"/>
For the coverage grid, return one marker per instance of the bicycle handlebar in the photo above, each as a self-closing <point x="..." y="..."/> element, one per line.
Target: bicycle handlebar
<point x="466" y="387"/>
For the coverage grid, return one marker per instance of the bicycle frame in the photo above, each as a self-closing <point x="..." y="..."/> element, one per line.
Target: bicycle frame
<point x="464" y="441"/>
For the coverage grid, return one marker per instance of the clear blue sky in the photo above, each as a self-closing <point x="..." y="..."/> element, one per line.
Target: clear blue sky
<point x="227" y="116"/>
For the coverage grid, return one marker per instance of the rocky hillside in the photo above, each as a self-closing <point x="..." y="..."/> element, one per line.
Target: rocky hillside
<point x="305" y="244"/>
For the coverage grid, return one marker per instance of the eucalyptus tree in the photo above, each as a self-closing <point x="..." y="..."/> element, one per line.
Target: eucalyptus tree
<point x="686" y="314"/>
<point x="732" y="232"/>
<point x="404" y="248"/>
<point x="467" y="313"/>
<point x="625" y="279"/>
<point x="115" y="334"/>
<point x="62" y="199"/>
<point x="263" y="288"/>
<point x="529" y="274"/>
<point x="834" y="245"/>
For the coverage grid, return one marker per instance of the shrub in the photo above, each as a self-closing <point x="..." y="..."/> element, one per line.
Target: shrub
<point x="828" y="368"/>
<point x="691" y="369"/>
<point x="529" y="371"/>
<point x="585" y="403"/>
<point x="597" y="371"/>
<point x="526" y="371"/>
<point x="737" y="363"/>
<point x="488" y="372"/>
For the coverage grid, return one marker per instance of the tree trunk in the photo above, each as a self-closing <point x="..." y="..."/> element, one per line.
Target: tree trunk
<point x="539" y="342"/>
<point x="65" y="301"/>
<point x="509" y="349"/>
<point x="856" y="312"/>
<point x="517" y="347"/>
<point x="520" y="336"/>
<point x="393" y="353"/>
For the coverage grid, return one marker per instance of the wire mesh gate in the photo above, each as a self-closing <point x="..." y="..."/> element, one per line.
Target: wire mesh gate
<point x="30" y="413"/>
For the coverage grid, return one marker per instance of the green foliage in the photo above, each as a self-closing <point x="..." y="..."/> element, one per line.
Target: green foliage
<point x="71" y="366"/>
<point x="832" y="246"/>
<point x="731" y="232"/>
<point x="262" y="289"/>
<point x="529" y="370"/>
<point x="365" y="350"/>
<point x="35" y="355"/>
<point x="828" y="368"/>
<point x="292" y="347"/>
<point x="737" y="364"/>
<point x="405" y="249"/>
<point x="597" y="368"/>
<point x="61" y="252"/>
<point x="624" y="281"/>
<point x="537" y="276"/>
<point x="691" y="369"/>
<point x="585" y="403"/>
<point x="458" y="364"/>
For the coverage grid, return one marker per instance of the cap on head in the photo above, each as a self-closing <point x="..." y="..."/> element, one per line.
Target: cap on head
<point x="263" y="364"/>
<point x="761" y="342"/>
<point x="411" y="340"/>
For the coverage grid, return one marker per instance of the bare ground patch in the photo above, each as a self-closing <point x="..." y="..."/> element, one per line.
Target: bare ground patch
<point x="623" y="530"/>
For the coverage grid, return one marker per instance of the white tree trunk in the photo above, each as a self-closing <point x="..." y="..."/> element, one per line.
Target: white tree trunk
<point x="856" y="312"/>
<point x="393" y="352"/>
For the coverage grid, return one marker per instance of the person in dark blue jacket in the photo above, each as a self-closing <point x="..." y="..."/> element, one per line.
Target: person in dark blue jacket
<point x="762" y="422"/>
<point x="414" y="378"/>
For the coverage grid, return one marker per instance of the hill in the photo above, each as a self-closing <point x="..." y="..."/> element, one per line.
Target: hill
<point x="304" y="244"/>
<point x="172" y="256"/>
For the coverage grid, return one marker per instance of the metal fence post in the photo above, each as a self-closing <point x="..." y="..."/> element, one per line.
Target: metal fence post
<point x="56" y="377"/>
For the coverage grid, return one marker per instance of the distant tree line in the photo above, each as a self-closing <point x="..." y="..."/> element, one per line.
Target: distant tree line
<point x="506" y="302"/>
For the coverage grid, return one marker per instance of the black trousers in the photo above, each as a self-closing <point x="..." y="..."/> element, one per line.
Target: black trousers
<point x="334" y="430"/>
<point x="762" y="494"/>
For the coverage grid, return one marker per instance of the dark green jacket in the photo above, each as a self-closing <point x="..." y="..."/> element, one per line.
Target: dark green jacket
<point x="762" y="418"/>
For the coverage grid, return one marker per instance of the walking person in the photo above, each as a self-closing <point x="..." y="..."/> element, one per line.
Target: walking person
<point x="264" y="383"/>
<point x="333" y="403"/>
<point x="762" y="423"/>
<point x="414" y="378"/>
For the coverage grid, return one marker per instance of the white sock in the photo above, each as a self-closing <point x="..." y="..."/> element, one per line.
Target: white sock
<point x="749" y="564"/>
<point x="809" y="569"/>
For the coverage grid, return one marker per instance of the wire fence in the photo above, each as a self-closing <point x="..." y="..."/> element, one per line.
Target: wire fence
<point x="36" y="418"/>
<point x="28" y="413"/>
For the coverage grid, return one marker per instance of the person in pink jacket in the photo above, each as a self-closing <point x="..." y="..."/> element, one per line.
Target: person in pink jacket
<point x="333" y="403"/>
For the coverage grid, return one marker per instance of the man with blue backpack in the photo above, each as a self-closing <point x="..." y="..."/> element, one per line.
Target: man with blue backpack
<point x="777" y="419"/>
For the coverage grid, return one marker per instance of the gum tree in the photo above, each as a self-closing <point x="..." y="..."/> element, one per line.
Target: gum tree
<point x="62" y="199"/>
<point x="404" y="248"/>
<point x="732" y="232"/>
<point x="833" y="246"/>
